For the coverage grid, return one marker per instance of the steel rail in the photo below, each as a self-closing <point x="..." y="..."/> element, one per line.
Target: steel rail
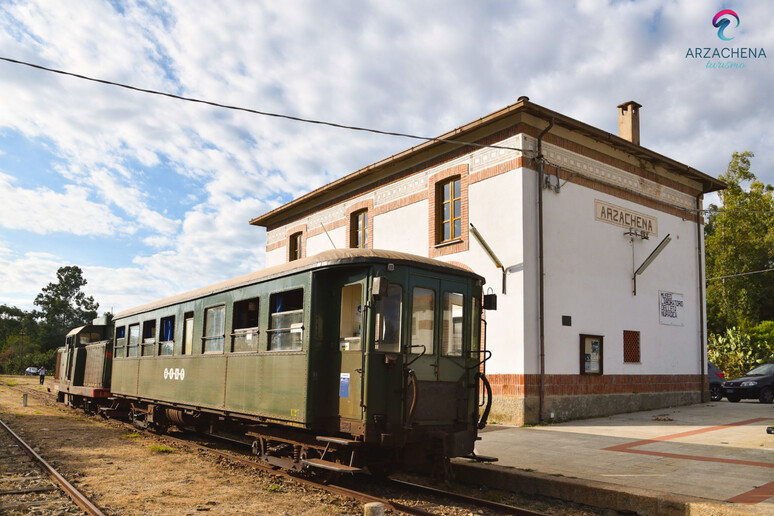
<point x="330" y="488"/>
<point x="75" y="495"/>
<point x="471" y="500"/>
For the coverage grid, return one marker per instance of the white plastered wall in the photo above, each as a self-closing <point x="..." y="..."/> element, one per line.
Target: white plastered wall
<point x="403" y="229"/>
<point x="588" y="267"/>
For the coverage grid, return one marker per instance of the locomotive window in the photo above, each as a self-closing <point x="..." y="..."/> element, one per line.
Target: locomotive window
<point x="452" y="324"/>
<point x="422" y="320"/>
<point x="351" y="318"/>
<point x="167" y="336"/>
<point x="134" y="340"/>
<point x="388" y="318"/>
<point x="188" y="333"/>
<point x="148" y="337"/>
<point x="286" y="323"/>
<point x="120" y="345"/>
<point x="245" y="336"/>
<point x="214" y="329"/>
<point x="88" y="338"/>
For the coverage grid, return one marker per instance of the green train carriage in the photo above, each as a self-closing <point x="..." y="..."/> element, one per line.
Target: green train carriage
<point x="346" y="359"/>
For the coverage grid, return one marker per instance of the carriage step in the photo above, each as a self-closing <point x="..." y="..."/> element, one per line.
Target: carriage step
<point x="330" y="466"/>
<point x="338" y="440"/>
<point x="481" y="458"/>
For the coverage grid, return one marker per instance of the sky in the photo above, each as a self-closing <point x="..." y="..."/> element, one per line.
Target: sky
<point x="151" y="196"/>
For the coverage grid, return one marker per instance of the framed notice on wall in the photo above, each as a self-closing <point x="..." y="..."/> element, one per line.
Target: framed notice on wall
<point x="670" y="308"/>
<point x="591" y="347"/>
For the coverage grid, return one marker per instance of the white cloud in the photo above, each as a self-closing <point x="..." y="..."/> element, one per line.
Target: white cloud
<point x="45" y="211"/>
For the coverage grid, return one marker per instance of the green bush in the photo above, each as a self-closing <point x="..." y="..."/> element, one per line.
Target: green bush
<point x="735" y="352"/>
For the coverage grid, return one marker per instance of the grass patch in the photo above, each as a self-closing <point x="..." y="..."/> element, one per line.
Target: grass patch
<point x="131" y="436"/>
<point x="160" y="448"/>
<point x="11" y="383"/>
<point x="37" y="412"/>
<point x="18" y="415"/>
<point x="272" y="488"/>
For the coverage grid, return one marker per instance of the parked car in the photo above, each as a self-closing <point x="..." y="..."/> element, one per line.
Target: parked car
<point x="31" y="371"/>
<point x="716" y="377"/>
<point x="757" y="383"/>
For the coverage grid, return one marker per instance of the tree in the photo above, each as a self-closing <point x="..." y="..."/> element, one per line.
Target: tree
<point x="64" y="306"/>
<point x="739" y="239"/>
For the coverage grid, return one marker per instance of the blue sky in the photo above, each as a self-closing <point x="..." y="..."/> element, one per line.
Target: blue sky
<point x="151" y="196"/>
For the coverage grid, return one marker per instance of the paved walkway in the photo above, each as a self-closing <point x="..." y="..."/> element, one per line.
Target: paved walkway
<point x="718" y="451"/>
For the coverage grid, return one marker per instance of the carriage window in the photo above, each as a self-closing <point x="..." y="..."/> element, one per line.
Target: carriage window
<point x="422" y="320"/>
<point x="351" y="318"/>
<point x="388" y="319"/>
<point x="134" y="340"/>
<point x="188" y="329"/>
<point x="452" y="324"/>
<point x="245" y="336"/>
<point x="148" y="338"/>
<point x="119" y="347"/>
<point x="214" y="329"/>
<point x="167" y="337"/>
<point x="286" y="324"/>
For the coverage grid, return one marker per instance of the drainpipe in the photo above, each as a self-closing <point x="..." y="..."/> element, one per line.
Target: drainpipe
<point x="541" y="306"/>
<point x="702" y="360"/>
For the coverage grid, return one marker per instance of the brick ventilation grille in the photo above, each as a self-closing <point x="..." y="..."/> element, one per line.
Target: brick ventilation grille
<point x="631" y="346"/>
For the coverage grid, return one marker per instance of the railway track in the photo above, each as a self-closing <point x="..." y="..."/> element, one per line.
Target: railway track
<point x="24" y="487"/>
<point x="424" y="500"/>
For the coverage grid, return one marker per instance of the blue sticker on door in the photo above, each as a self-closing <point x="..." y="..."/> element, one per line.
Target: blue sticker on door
<point x="344" y="385"/>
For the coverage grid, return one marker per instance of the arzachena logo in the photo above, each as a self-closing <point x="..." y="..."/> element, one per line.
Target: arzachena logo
<point x="722" y="20"/>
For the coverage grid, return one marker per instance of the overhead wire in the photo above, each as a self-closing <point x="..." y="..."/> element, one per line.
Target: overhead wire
<point x="260" y="112"/>
<point x="331" y="124"/>
<point x="740" y="274"/>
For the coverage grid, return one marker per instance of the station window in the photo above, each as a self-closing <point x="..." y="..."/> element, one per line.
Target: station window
<point x="631" y="346"/>
<point x="148" y="337"/>
<point x="450" y="210"/>
<point x="286" y="322"/>
<point x="188" y="330"/>
<point x="453" y="303"/>
<point x="167" y="335"/>
<point x="359" y="229"/>
<point x="119" y="348"/>
<point x="422" y="320"/>
<point x="134" y="340"/>
<point x="388" y="320"/>
<point x="351" y="318"/>
<point x="214" y="329"/>
<point x="591" y="347"/>
<point x="245" y="336"/>
<point x="296" y="246"/>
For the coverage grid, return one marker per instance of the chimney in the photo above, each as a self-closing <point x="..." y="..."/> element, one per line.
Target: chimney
<point x="629" y="121"/>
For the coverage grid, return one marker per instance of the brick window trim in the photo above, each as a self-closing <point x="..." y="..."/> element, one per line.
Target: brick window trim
<point x="631" y="347"/>
<point x="368" y="206"/>
<point x="436" y="247"/>
<point x="290" y="232"/>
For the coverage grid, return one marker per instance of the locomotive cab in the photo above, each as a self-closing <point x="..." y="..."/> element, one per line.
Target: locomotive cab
<point x="83" y="364"/>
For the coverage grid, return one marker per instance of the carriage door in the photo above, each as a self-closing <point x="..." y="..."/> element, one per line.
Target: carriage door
<point x="452" y="333"/>
<point x="351" y="329"/>
<point x="422" y="349"/>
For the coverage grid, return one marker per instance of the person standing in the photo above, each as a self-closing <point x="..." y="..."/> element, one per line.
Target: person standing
<point x="42" y="374"/>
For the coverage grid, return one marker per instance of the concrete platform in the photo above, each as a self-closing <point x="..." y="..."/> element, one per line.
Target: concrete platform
<point x="714" y="458"/>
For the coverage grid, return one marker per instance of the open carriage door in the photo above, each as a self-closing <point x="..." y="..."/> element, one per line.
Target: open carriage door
<point x="351" y="338"/>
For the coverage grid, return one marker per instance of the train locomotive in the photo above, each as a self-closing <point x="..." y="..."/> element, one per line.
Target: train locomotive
<point x="347" y="360"/>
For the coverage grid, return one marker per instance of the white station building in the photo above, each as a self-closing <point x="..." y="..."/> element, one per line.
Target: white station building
<point x="592" y="243"/>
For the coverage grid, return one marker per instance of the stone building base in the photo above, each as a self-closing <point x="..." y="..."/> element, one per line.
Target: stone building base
<point x="513" y="410"/>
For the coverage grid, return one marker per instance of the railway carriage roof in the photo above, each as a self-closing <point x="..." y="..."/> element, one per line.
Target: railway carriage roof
<point x="325" y="259"/>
